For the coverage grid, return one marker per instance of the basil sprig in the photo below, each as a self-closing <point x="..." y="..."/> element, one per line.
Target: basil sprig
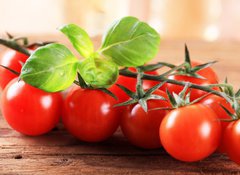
<point x="128" y="42"/>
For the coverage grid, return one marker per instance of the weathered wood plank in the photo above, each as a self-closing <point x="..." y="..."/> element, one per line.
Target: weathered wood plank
<point x="59" y="152"/>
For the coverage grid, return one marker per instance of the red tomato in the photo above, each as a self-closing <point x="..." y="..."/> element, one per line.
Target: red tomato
<point x="208" y="73"/>
<point x="89" y="115"/>
<point x="142" y="128"/>
<point x="130" y="83"/>
<point x="190" y="133"/>
<point x="214" y="102"/>
<point x="231" y="141"/>
<point x="29" y="110"/>
<point x="11" y="59"/>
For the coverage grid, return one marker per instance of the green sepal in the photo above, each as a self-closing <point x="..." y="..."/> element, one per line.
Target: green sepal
<point x="108" y="92"/>
<point x="158" y="65"/>
<point x="129" y="102"/>
<point x="11" y="70"/>
<point x="127" y="91"/>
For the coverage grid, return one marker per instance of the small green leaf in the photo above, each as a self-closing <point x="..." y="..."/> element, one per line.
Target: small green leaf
<point x="152" y="67"/>
<point x="173" y="69"/>
<point x="51" y="68"/>
<point x="171" y="99"/>
<point x="130" y="42"/>
<point x="156" y="97"/>
<point x="79" y="39"/>
<point x="237" y="93"/>
<point x="143" y="104"/>
<point x="108" y="92"/>
<point x="154" y="88"/>
<point x="203" y="66"/>
<point x="183" y="92"/>
<point x="233" y="116"/>
<point x="127" y="91"/>
<point x="98" y="72"/>
<point x="126" y="103"/>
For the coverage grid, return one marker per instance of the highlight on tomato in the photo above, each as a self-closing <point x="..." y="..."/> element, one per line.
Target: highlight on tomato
<point x="13" y="60"/>
<point x="29" y="110"/>
<point x="190" y="133"/>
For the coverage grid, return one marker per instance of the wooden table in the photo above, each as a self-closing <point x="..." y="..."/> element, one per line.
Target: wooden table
<point x="59" y="153"/>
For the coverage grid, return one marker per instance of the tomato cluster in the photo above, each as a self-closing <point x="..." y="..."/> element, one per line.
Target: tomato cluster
<point x="188" y="132"/>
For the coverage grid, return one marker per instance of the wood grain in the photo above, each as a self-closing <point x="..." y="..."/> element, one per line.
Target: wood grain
<point x="60" y="153"/>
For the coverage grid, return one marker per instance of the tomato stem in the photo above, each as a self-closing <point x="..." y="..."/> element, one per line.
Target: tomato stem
<point x="14" y="45"/>
<point x="161" y="78"/>
<point x="139" y="87"/>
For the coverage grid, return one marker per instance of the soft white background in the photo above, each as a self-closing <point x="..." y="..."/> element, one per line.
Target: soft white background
<point x="200" y="19"/>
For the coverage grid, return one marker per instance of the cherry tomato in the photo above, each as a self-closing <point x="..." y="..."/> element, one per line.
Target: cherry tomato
<point x="29" y="110"/>
<point x="12" y="59"/>
<point x="208" y="73"/>
<point x="214" y="102"/>
<point x="190" y="133"/>
<point x="89" y="115"/>
<point x="142" y="128"/>
<point x="130" y="83"/>
<point x="231" y="141"/>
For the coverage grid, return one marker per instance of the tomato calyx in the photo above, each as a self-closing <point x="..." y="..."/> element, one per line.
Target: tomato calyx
<point x="190" y="71"/>
<point x="84" y="85"/>
<point x="180" y="100"/>
<point x="183" y="98"/>
<point x="141" y="96"/>
<point x="233" y="99"/>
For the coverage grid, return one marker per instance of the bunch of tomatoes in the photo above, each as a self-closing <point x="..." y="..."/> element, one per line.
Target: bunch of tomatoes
<point x="188" y="132"/>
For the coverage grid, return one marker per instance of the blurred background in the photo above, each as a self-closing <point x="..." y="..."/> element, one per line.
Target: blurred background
<point x="208" y="20"/>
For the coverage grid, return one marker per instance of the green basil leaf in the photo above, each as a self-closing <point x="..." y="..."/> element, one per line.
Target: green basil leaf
<point x="51" y="68"/>
<point x="79" y="39"/>
<point x="98" y="72"/>
<point x="130" y="42"/>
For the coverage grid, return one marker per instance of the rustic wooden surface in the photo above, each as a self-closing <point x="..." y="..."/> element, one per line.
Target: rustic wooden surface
<point x="60" y="153"/>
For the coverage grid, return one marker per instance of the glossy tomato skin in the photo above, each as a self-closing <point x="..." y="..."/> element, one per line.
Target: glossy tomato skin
<point x="208" y="73"/>
<point x="231" y="141"/>
<point x="89" y="115"/>
<point x="12" y="59"/>
<point x="142" y="128"/>
<point x="190" y="133"/>
<point x="214" y="102"/>
<point x="130" y="83"/>
<point x="29" y="110"/>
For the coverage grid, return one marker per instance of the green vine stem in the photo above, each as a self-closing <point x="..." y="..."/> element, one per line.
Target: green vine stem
<point x="14" y="45"/>
<point x="162" y="78"/>
<point x="139" y="87"/>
